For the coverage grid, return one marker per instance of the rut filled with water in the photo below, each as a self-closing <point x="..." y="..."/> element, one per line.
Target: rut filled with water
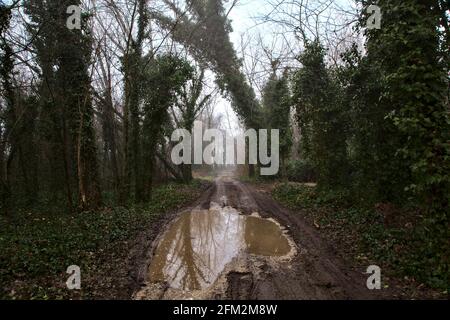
<point x="196" y="248"/>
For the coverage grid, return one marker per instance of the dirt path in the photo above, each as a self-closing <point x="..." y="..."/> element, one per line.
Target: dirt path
<point x="311" y="270"/>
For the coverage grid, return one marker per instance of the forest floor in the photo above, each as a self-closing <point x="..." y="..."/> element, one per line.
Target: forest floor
<point x="38" y="244"/>
<point x="318" y="267"/>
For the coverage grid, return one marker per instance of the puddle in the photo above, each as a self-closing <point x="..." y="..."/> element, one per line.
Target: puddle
<point x="196" y="248"/>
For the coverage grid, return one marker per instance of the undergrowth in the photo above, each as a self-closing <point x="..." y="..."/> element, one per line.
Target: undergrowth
<point x="36" y="247"/>
<point x="402" y="248"/>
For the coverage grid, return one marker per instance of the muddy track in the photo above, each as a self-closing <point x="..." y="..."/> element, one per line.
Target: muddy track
<point x="314" y="272"/>
<point x="317" y="272"/>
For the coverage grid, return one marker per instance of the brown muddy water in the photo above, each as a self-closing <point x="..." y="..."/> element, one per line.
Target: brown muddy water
<point x="196" y="248"/>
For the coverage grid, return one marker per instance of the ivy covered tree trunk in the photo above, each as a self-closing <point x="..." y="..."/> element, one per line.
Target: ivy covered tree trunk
<point x="190" y="105"/>
<point x="412" y="56"/>
<point x="277" y="111"/>
<point x="64" y="58"/>
<point x="109" y="126"/>
<point x="417" y="90"/>
<point x="133" y="63"/>
<point x="8" y="141"/>
<point x="162" y="80"/>
<point x="88" y="180"/>
<point x="320" y="117"/>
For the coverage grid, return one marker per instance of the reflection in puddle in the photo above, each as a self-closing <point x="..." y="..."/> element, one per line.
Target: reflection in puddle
<point x="264" y="237"/>
<point x="197" y="247"/>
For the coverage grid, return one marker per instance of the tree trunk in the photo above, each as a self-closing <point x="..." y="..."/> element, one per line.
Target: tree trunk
<point x="133" y="143"/>
<point x="251" y="170"/>
<point x="88" y="183"/>
<point x="187" y="173"/>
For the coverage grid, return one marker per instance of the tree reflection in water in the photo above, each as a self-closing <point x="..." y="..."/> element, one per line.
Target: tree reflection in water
<point x="197" y="247"/>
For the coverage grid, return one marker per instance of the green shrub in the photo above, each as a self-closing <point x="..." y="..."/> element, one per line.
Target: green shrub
<point x="301" y="171"/>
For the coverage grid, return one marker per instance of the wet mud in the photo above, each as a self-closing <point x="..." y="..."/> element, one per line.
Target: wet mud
<point x="237" y="243"/>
